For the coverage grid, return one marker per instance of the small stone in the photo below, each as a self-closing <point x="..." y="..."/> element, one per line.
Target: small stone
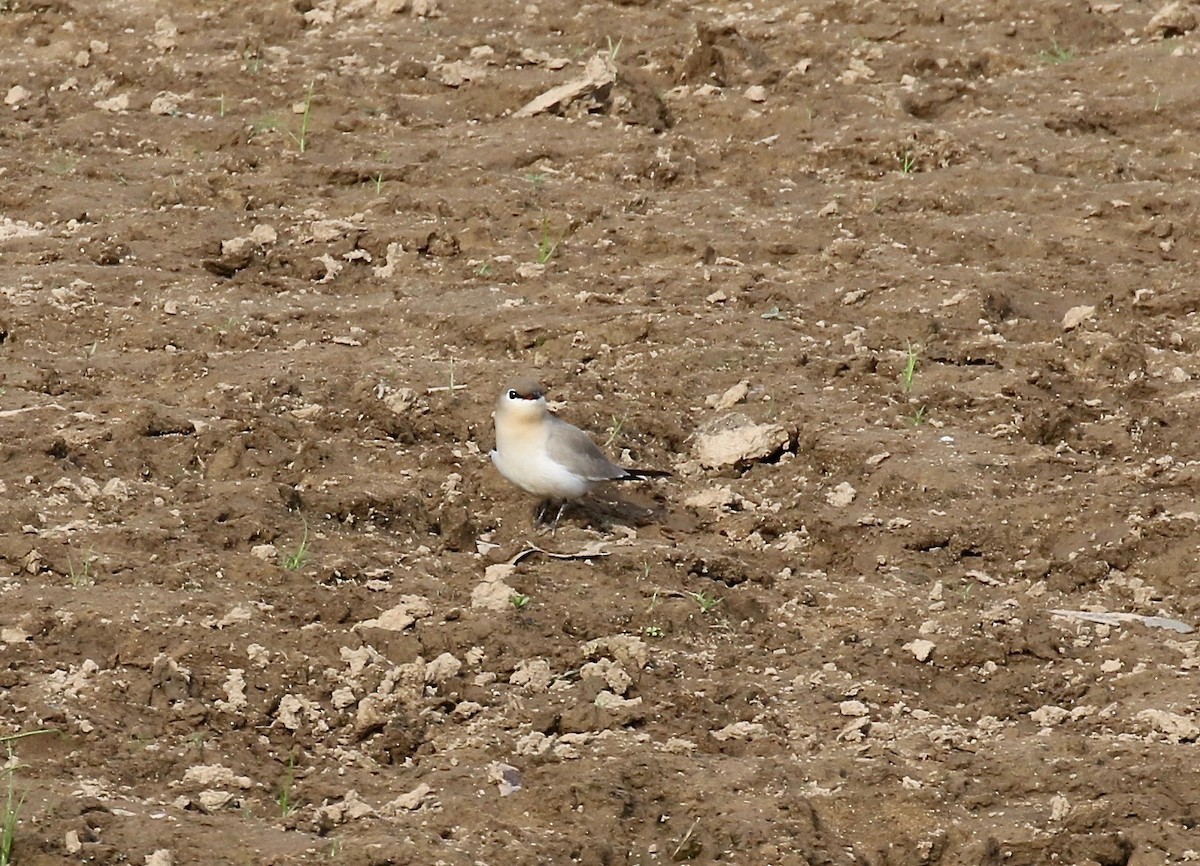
<point x="756" y="93"/>
<point x="114" y="104"/>
<point x="736" y="439"/>
<point x="1175" y="726"/>
<point x="1076" y="316"/>
<point x="442" y="668"/>
<point x="731" y="397"/>
<point x="265" y="552"/>
<point x="853" y="708"/>
<point x="161" y="857"/>
<point x="841" y="496"/>
<point x="16" y="95"/>
<point x="72" y="843"/>
<point x="1048" y="716"/>
<point x="740" y="731"/>
<point x="401" y="616"/>
<point x="1174" y="19"/>
<point x="1111" y="666"/>
<point x="920" y="648"/>
<point x="411" y="801"/>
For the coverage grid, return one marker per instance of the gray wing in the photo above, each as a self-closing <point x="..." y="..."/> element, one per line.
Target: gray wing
<point x="571" y="447"/>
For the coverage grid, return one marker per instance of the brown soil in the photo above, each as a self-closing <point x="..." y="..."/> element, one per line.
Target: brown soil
<point x="225" y="459"/>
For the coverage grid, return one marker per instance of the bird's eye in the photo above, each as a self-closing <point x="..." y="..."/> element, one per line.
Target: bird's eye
<point x="513" y="395"/>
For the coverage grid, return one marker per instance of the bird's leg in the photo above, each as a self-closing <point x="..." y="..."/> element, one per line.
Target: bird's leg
<point x="562" y="507"/>
<point x="543" y="507"/>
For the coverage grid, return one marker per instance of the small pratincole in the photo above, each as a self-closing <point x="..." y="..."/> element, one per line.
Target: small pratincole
<point x="544" y="455"/>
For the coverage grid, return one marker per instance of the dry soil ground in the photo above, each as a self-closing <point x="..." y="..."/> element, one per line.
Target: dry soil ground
<point x="265" y="266"/>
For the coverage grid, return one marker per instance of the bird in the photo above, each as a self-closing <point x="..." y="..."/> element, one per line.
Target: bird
<point x="544" y="455"/>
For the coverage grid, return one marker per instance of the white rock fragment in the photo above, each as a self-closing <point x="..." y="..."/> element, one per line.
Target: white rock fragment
<point x="213" y="800"/>
<point x="16" y="95"/>
<point x="71" y="842"/>
<point x="235" y="692"/>
<point x="1060" y="808"/>
<point x="1176" y="727"/>
<point x="1174" y="19"/>
<point x="716" y="499"/>
<point x="161" y="857"/>
<point x="403" y="614"/>
<point x="756" y="93"/>
<point x="841" y="495"/>
<point x="165" y="104"/>
<point x="533" y="675"/>
<point x="853" y="708"/>
<point x="294" y="709"/>
<point x="213" y="775"/>
<point x="1076" y="316"/>
<point x="731" y="397"/>
<point x="920" y="648"/>
<point x="409" y="802"/>
<point x="629" y="650"/>
<point x="610" y="672"/>
<point x="599" y="72"/>
<point x="442" y="668"/>
<point x="350" y="808"/>
<point x="1111" y="666"/>
<point x="606" y="700"/>
<point x="13" y="634"/>
<point x="343" y="697"/>
<point x="114" y="104"/>
<point x="1048" y="716"/>
<point x="494" y="593"/>
<point x="736" y="439"/>
<point x="265" y="552"/>
<point x="740" y="731"/>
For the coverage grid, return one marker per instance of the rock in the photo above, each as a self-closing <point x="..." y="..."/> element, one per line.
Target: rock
<point x="213" y="800"/>
<point x="402" y="615"/>
<point x="730" y="398"/>
<point x="161" y="857"/>
<point x="532" y="674"/>
<point x="212" y="775"/>
<point x="630" y="651"/>
<point x="599" y="72"/>
<point x="442" y="668"/>
<point x="1076" y="316"/>
<point x="740" y="731"/>
<point x="409" y="802"/>
<point x="235" y="692"/>
<point x="1174" y="19"/>
<point x="716" y="499"/>
<point x="841" y="496"/>
<point x="265" y="552"/>
<point x="921" y="648"/>
<point x="1176" y="727"/>
<point x="756" y="93"/>
<point x="610" y="672"/>
<point x="13" y="634"/>
<point x="494" y="593"/>
<point x="606" y="700"/>
<point x="71" y="842"/>
<point x="114" y="104"/>
<point x="16" y="95"/>
<point x="1048" y="715"/>
<point x="853" y="708"/>
<point x="736" y="439"/>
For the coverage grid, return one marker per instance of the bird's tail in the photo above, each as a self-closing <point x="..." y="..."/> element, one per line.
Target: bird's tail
<point x="634" y="474"/>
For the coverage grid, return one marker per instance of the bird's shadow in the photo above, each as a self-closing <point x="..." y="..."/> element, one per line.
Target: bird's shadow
<point x="597" y="514"/>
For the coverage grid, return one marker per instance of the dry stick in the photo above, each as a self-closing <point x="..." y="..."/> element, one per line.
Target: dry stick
<point x="686" y="836"/>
